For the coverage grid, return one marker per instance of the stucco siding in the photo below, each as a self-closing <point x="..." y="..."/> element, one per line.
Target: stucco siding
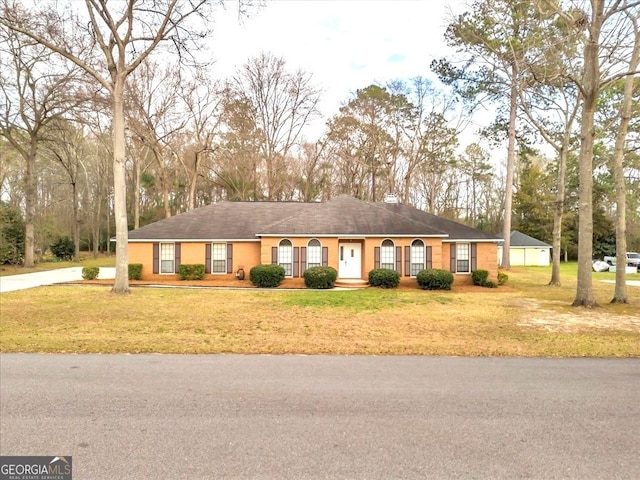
<point x="248" y="254"/>
<point x="245" y="255"/>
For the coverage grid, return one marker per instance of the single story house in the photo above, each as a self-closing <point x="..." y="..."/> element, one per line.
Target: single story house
<point x="350" y="235"/>
<point x="526" y="251"/>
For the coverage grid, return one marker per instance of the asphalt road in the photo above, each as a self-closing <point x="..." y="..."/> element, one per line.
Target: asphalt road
<point x="298" y="417"/>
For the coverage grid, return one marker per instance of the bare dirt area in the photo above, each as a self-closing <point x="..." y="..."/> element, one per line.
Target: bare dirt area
<point x="553" y="317"/>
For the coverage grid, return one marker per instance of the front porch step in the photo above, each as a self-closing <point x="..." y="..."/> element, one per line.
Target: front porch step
<point x="351" y="283"/>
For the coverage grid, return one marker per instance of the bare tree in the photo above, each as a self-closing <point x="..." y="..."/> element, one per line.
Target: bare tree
<point x="203" y="105"/>
<point x="282" y="103"/>
<point x="428" y="134"/>
<point x="156" y="116"/>
<point x="67" y="147"/>
<point x="34" y="92"/>
<point x="109" y="43"/>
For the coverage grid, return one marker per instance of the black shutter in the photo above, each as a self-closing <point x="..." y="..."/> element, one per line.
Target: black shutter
<point x="156" y="258"/>
<point x="474" y="256"/>
<point x="399" y="260"/>
<point x="274" y="255"/>
<point x="325" y="256"/>
<point x="296" y="262"/>
<point x="229" y="257"/>
<point x="177" y="254"/>
<point x="303" y="260"/>
<point x="452" y="264"/>
<point x="429" y="258"/>
<point x="407" y="261"/>
<point x="207" y="258"/>
<point x="376" y="257"/>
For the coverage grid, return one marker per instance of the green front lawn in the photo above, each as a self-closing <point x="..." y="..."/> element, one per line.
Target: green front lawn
<point x="524" y="318"/>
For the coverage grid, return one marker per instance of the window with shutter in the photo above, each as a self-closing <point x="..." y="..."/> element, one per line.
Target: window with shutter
<point x="219" y="258"/>
<point x="463" y="264"/>
<point x="167" y="258"/>
<point x="314" y="253"/>
<point x="285" y="256"/>
<point x="417" y="257"/>
<point x="387" y="257"/>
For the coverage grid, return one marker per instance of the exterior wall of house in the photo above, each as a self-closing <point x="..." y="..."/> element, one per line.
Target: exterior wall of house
<point x="142" y="253"/>
<point x="245" y="255"/>
<point x="248" y="254"/>
<point x="370" y="245"/>
<point x="268" y="243"/>
<point x="486" y="259"/>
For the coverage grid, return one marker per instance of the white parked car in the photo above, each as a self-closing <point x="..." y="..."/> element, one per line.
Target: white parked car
<point x="633" y="259"/>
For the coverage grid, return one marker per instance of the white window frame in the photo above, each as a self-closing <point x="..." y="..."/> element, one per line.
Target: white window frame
<point x="418" y="257"/>
<point x="285" y="252"/>
<point x="388" y="252"/>
<point x="314" y="253"/>
<point x="167" y="254"/>
<point x="463" y="254"/>
<point x="222" y="247"/>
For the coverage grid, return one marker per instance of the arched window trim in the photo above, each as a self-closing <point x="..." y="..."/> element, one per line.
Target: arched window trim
<point x="285" y="256"/>
<point x="388" y="254"/>
<point x="418" y="257"/>
<point x="314" y="253"/>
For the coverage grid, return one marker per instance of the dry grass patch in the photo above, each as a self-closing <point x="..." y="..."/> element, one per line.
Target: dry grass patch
<point x="465" y="321"/>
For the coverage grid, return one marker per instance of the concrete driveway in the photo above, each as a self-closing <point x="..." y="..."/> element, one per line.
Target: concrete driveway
<point x="630" y="283"/>
<point x="37" y="279"/>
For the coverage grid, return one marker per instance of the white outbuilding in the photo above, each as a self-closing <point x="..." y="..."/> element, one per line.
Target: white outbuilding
<point x="526" y="251"/>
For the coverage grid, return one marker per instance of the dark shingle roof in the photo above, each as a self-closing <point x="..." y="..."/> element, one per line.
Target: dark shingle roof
<point x="342" y="215"/>
<point x="456" y="231"/>
<point x="345" y="215"/>
<point x="220" y="221"/>
<point x="521" y="240"/>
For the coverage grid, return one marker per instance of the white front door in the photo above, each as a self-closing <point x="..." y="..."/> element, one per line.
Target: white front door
<point x="349" y="260"/>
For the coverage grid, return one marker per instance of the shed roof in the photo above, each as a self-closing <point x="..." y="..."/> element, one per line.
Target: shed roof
<point x="519" y="239"/>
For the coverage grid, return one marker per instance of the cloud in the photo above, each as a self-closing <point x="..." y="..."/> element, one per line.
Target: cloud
<point x="396" y="58"/>
<point x="346" y="44"/>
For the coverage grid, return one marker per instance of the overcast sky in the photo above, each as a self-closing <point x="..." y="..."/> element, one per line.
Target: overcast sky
<point x="345" y="44"/>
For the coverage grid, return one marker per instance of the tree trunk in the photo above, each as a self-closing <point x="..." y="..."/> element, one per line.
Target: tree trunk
<point x="557" y="217"/>
<point x="76" y="222"/>
<point x="121" y="284"/>
<point x="511" y="166"/>
<point x="136" y="195"/>
<point x="30" y="204"/>
<point x="620" y="294"/>
<point x="165" y="194"/>
<point x="193" y="182"/>
<point x="591" y="86"/>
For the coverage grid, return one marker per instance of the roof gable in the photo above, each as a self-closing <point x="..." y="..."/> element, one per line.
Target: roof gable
<point x="340" y="216"/>
<point x="519" y="239"/>
<point x="455" y="230"/>
<point x="220" y="221"/>
<point x="345" y="215"/>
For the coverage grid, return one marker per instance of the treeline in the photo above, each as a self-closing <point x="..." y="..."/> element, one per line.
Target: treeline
<point x="563" y="147"/>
